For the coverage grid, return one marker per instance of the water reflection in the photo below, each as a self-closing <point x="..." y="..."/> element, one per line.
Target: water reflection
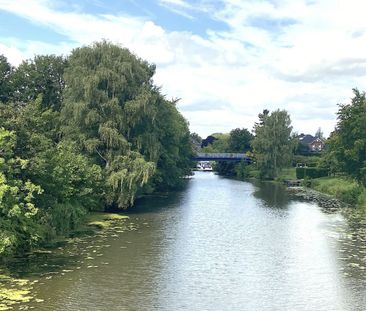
<point x="272" y="194"/>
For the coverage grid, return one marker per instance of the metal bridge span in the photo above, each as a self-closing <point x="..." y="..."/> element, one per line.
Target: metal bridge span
<point x="222" y="157"/>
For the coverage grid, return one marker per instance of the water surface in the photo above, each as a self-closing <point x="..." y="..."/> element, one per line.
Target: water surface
<point x="220" y="244"/>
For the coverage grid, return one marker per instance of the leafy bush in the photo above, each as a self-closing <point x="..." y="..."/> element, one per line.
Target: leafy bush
<point x="310" y="161"/>
<point x="19" y="230"/>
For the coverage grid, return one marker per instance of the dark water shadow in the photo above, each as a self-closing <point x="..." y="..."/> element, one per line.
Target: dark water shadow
<point x="158" y="202"/>
<point x="272" y="194"/>
<point x="39" y="264"/>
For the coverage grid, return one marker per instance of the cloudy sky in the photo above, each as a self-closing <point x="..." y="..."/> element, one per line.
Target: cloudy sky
<point x="226" y="59"/>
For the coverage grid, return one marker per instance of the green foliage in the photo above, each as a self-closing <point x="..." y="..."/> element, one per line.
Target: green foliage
<point x="107" y="138"/>
<point x="42" y="75"/>
<point x="196" y="142"/>
<point x="287" y="173"/>
<point x="126" y="175"/>
<point x="175" y="148"/>
<point x="344" y="189"/>
<point x="18" y="213"/>
<point x="123" y="123"/>
<point x="221" y="144"/>
<point x="243" y="170"/>
<point x="347" y="145"/>
<point x="273" y="144"/>
<point x="311" y="172"/>
<point x="240" y="140"/>
<point x="302" y="149"/>
<point x="105" y="104"/>
<point x="67" y="177"/>
<point x="72" y="176"/>
<point x="5" y="72"/>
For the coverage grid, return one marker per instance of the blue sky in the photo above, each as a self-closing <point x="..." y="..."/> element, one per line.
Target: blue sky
<point x="226" y="59"/>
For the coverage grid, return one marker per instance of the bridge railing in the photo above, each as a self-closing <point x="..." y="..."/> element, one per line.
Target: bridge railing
<point x="221" y="157"/>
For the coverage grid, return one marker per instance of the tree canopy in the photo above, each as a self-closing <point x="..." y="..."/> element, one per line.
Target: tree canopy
<point x="90" y="131"/>
<point x="348" y="143"/>
<point x="273" y="144"/>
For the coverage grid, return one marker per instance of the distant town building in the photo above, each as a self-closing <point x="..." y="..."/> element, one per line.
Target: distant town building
<point x="314" y="144"/>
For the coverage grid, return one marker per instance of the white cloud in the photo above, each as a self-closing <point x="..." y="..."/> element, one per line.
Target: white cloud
<point x="291" y="55"/>
<point x="179" y="7"/>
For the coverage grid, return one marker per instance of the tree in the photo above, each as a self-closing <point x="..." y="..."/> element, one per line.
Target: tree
<point x="240" y="140"/>
<point x="174" y="160"/>
<point x="5" y="72"/>
<point x="319" y="133"/>
<point x="108" y="92"/>
<point x="41" y="76"/>
<point x="348" y="142"/>
<point x="70" y="182"/>
<point x="217" y="142"/>
<point x="121" y="121"/>
<point x="196" y="142"/>
<point x="273" y="144"/>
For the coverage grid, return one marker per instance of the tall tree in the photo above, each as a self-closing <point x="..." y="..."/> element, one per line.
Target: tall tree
<point x="5" y="72"/>
<point x="348" y="142"/>
<point x="175" y="147"/>
<point x="319" y="133"/>
<point x="273" y="144"/>
<point x="118" y="117"/>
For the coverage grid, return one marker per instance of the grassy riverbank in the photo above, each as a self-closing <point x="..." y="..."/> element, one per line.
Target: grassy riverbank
<point x="342" y="188"/>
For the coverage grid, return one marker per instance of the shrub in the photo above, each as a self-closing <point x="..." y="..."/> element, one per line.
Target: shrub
<point x="311" y="172"/>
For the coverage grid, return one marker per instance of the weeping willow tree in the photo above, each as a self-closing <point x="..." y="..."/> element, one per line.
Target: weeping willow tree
<point x="113" y="111"/>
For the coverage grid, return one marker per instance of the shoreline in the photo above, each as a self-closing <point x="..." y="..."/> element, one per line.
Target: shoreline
<point x="311" y="195"/>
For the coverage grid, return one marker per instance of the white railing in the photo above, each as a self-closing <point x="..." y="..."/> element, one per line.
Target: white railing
<point x="221" y="155"/>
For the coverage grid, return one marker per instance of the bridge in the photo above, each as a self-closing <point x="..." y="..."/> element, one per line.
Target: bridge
<point x="222" y="157"/>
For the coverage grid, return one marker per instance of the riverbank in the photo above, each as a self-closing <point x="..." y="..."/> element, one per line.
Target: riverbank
<point x="328" y="191"/>
<point x="344" y="189"/>
<point x="308" y="194"/>
<point x="331" y="191"/>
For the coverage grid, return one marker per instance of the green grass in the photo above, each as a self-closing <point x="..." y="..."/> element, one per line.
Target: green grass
<point x="344" y="189"/>
<point x="287" y="173"/>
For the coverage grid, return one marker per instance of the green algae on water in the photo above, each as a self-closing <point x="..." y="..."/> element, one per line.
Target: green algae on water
<point x="105" y="220"/>
<point x="14" y="291"/>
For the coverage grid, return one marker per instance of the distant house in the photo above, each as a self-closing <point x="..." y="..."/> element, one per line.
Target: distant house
<point x="314" y="144"/>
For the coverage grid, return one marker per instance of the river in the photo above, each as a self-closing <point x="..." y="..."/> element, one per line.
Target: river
<point x="220" y="244"/>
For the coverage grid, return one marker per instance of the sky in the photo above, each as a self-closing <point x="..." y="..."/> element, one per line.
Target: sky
<point x="226" y="60"/>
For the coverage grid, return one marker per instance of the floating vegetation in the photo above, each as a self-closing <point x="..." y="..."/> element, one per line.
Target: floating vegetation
<point x="14" y="291"/>
<point x="105" y="220"/>
<point x="348" y="231"/>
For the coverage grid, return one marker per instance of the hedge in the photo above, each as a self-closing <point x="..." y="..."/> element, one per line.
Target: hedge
<point x="311" y="172"/>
